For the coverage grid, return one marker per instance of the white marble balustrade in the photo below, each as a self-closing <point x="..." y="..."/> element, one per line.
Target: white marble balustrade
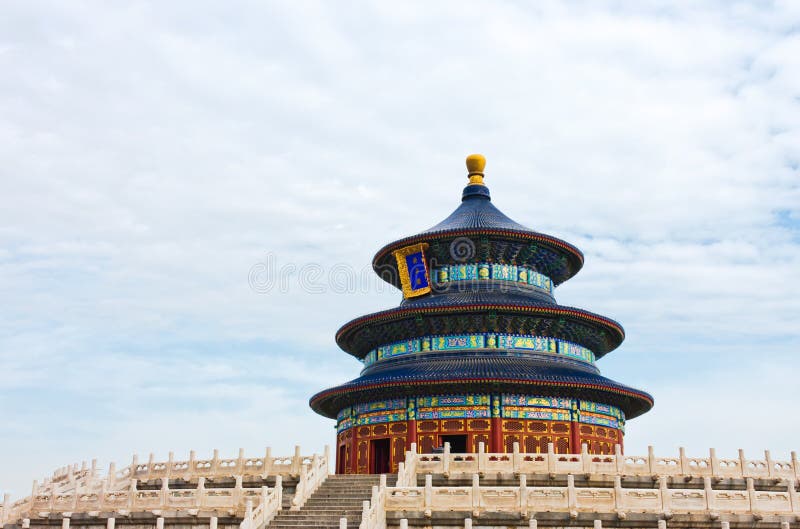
<point x="82" y="489"/>
<point x="617" y="464"/>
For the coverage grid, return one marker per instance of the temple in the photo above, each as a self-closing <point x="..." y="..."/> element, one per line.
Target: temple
<point x="478" y="357"/>
<point x="479" y="353"/>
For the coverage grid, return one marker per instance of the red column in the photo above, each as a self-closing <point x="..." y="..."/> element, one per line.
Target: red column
<point x="411" y="414"/>
<point x="497" y="427"/>
<point x="354" y="452"/>
<point x="412" y="433"/>
<point x="574" y="437"/>
<point x="497" y="436"/>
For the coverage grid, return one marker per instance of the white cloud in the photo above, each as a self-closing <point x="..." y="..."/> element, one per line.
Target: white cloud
<point x="151" y="154"/>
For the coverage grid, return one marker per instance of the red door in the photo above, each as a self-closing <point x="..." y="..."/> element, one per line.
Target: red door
<point x="380" y="456"/>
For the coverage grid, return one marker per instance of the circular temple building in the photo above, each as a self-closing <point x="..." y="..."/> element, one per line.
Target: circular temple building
<point x="478" y="351"/>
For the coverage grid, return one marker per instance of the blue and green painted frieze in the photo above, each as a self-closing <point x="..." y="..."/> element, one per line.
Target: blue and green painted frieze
<point x="444" y="275"/>
<point x="460" y="342"/>
<point x="507" y="406"/>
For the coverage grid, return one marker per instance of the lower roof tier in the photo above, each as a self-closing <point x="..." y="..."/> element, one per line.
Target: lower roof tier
<point x="481" y="373"/>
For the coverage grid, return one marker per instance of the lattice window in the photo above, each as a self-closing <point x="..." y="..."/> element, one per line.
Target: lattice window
<point x="562" y="445"/>
<point x="452" y="426"/>
<point x="399" y="450"/>
<point x="586" y="430"/>
<point x="600" y="432"/>
<point x="531" y="444"/>
<point x="543" y="442"/>
<point x="509" y="442"/>
<point x="362" y="454"/>
<point x="398" y="427"/>
<point x="426" y="443"/>
<point x="514" y="426"/>
<point x="427" y="426"/>
<point x="380" y="429"/>
<point x="480" y="438"/>
<point x="560" y="427"/>
<point x="612" y="434"/>
<point x="478" y="424"/>
<point x="537" y="427"/>
<point x="363" y="432"/>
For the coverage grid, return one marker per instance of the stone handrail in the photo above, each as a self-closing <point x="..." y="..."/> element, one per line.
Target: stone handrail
<point x="77" y="489"/>
<point x="373" y="515"/>
<point x="407" y="470"/>
<point x="312" y="474"/>
<point x="214" y="467"/>
<point x="69" y="477"/>
<point x="133" y="500"/>
<point x="616" y="465"/>
<point x="524" y="500"/>
<point x="268" y="507"/>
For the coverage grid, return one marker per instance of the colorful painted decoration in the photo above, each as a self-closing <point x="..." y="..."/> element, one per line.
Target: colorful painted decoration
<point x="496" y="271"/>
<point x="453" y="407"/>
<point x="603" y="409"/>
<point x="529" y="401"/>
<point x="413" y="270"/>
<point x="542" y="414"/>
<point x="507" y="406"/>
<point x="368" y="407"/>
<point x="561" y="409"/>
<point x="459" y="342"/>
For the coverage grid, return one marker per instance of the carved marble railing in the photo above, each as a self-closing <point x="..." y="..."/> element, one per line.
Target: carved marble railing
<point x="134" y="499"/>
<point x="614" y="465"/>
<point x="407" y="470"/>
<point x="268" y="507"/>
<point x="71" y="489"/>
<point x="525" y="501"/>
<point x="213" y="467"/>
<point x="312" y="474"/>
<point x="373" y="514"/>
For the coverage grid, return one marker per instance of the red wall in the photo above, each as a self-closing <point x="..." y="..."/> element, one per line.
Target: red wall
<point x="497" y="434"/>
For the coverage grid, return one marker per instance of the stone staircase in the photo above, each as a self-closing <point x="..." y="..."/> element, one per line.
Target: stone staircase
<point x="339" y="496"/>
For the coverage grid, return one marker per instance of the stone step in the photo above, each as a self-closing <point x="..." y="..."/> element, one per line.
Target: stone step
<point x="350" y="495"/>
<point x="317" y="518"/>
<point x="333" y="502"/>
<point x="311" y="517"/>
<point x="352" y="505"/>
<point x="328" y="507"/>
<point x="358" y="476"/>
<point x="331" y="525"/>
<point x="347" y="490"/>
<point x="327" y="525"/>
<point x="313" y="523"/>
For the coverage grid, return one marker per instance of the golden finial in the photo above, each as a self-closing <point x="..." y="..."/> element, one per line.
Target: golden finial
<point x="475" y="165"/>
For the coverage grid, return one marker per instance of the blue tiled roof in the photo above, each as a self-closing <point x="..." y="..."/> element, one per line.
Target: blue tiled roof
<point x="510" y="373"/>
<point x="475" y="212"/>
<point x="476" y="216"/>
<point x="482" y="294"/>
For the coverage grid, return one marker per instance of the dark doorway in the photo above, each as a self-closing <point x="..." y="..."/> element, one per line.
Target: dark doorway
<point x="380" y="456"/>
<point x="458" y="443"/>
<point x="340" y="460"/>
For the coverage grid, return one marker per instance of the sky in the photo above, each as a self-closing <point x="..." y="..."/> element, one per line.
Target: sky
<point x="156" y="158"/>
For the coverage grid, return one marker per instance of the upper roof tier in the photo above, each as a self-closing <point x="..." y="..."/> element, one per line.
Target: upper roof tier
<point x="477" y="230"/>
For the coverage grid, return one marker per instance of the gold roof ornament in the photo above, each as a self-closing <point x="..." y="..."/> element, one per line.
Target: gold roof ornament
<point x="475" y="165"/>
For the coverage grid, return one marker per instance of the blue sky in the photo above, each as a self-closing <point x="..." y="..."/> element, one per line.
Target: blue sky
<point x="152" y="154"/>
